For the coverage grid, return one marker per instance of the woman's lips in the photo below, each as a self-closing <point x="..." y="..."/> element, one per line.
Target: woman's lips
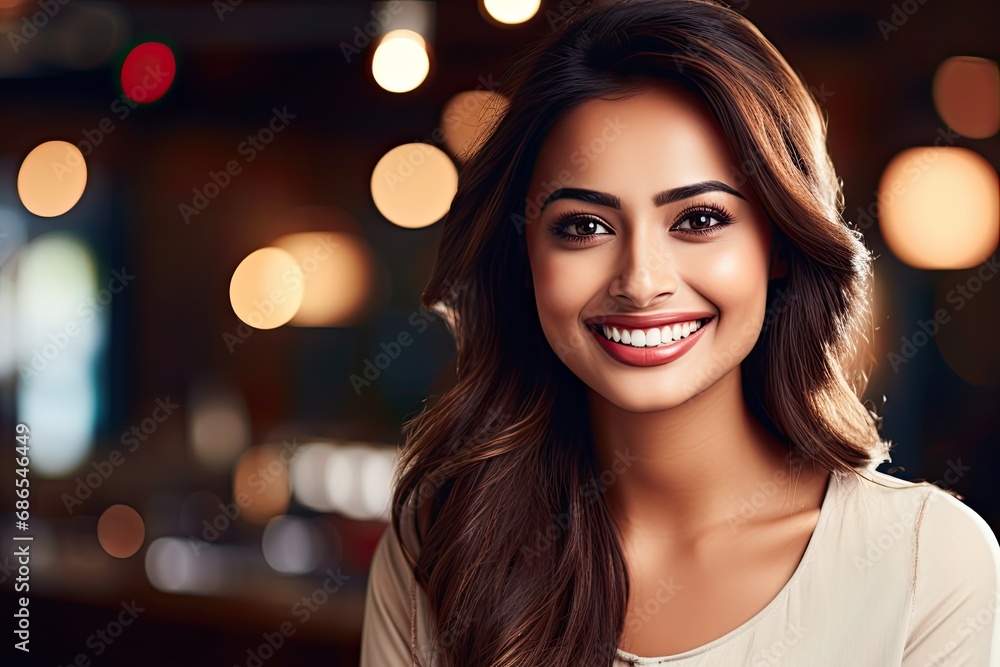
<point x="649" y="356"/>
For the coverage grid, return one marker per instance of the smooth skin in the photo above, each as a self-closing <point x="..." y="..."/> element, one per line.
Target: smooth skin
<point x="698" y="567"/>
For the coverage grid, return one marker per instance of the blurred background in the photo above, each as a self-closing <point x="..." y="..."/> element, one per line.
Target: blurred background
<point x="216" y="220"/>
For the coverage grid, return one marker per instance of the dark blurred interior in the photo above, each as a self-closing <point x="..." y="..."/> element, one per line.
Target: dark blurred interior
<point x="152" y="406"/>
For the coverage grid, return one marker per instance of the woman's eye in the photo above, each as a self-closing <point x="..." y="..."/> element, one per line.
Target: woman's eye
<point x="584" y="226"/>
<point x="698" y="221"/>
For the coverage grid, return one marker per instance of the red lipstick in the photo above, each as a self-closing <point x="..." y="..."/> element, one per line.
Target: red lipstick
<point x="649" y="356"/>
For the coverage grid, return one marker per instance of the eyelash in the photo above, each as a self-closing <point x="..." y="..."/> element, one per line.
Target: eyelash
<point x="724" y="217"/>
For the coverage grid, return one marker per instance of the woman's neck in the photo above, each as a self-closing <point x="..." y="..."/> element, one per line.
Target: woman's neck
<point x="676" y="474"/>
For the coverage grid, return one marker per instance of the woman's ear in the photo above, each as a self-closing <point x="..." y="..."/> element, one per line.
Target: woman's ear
<point x="779" y="269"/>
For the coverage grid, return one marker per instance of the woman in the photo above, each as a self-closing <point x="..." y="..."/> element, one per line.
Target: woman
<point x="655" y="451"/>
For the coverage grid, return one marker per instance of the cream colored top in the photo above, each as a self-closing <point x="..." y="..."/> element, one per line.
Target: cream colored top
<point x="907" y="577"/>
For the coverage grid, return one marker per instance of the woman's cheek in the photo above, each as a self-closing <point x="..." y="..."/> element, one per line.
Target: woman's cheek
<point x="736" y="282"/>
<point x="563" y="287"/>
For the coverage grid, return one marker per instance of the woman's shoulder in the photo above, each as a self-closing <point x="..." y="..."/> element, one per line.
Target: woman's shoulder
<point x="396" y="553"/>
<point x="392" y="629"/>
<point x="951" y="562"/>
<point x="950" y="544"/>
<point x="871" y="493"/>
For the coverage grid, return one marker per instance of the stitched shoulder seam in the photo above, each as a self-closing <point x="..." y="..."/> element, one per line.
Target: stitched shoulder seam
<point x="916" y="542"/>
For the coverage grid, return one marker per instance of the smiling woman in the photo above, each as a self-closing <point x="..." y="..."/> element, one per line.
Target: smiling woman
<point x="636" y="259"/>
<point x="681" y="293"/>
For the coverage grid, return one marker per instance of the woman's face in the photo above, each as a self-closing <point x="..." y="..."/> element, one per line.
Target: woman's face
<point x="630" y="183"/>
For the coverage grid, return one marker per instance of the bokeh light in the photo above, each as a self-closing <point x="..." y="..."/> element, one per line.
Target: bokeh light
<point x="352" y="479"/>
<point x="967" y="95"/>
<point x="413" y="184"/>
<point x="52" y="178"/>
<point x="219" y="428"/>
<point x="291" y="545"/>
<point x="468" y="118"/>
<point x="89" y="35"/>
<point x="120" y="531"/>
<point x="266" y="289"/>
<point x="308" y="476"/>
<point x="375" y="481"/>
<point x="512" y="11"/>
<point x="59" y="329"/>
<point x="400" y="62"/>
<point x="359" y="480"/>
<point x="260" y="483"/>
<point x="938" y="207"/>
<point x="148" y="72"/>
<point x="174" y="566"/>
<point x="338" y="273"/>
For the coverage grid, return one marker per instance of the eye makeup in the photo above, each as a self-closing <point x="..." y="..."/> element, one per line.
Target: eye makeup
<point x="703" y="212"/>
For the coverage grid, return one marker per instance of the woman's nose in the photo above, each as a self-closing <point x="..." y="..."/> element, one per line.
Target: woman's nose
<point x="648" y="271"/>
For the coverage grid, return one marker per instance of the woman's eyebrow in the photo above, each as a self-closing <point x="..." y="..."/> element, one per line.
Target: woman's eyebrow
<point x="659" y="199"/>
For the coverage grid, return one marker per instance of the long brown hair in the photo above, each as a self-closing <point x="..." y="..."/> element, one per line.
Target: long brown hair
<point x="518" y="554"/>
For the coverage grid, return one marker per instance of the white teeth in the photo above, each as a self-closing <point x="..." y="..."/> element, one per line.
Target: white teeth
<point x="653" y="337"/>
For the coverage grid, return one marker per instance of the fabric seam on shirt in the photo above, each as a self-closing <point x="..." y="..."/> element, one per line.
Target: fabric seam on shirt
<point x="414" y="659"/>
<point x="916" y="552"/>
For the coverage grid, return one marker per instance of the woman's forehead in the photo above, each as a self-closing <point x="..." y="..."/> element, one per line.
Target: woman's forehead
<point x="663" y="136"/>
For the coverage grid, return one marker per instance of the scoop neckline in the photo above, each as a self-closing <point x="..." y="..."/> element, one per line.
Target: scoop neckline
<point x="824" y="511"/>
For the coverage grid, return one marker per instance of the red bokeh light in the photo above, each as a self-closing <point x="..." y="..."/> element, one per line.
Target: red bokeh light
<point x="148" y="72"/>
